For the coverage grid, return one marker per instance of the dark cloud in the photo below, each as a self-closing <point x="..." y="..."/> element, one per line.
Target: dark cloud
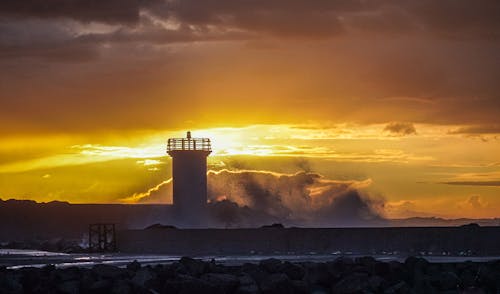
<point x="401" y="128"/>
<point x="477" y="130"/>
<point x="473" y="183"/>
<point x="107" y="11"/>
<point x="100" y="59"/>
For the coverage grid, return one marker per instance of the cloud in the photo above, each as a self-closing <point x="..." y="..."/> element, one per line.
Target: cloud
<point x="477" y="130"/>
<point x="475" y="201"/>
<point x="400" y="129"/>
<point x="249" y="198"/>
<point x="473" y="183"/>
<point x="108" y="11"/>
<point x="89" y="61"/>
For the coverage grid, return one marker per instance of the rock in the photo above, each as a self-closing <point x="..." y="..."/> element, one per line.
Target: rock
<point x="247" y="289"/>
<point x="10" y="283"/>
<point x="449" y="281"/>
<point x="254" y="271"/>
<point x="107" y="271"/>
<point x="301" y="287"/>
<point x="224" y="283"/>
<point x="468" y="278"/>
<point x="276" y="283"/>
<point x="134" y="266"/>
<point x="121" y="287"/>
<point x="247" y="285"/>
<point x="187" y="285"/>
<point x="100" y="286"/>
<point x="69" y="287"/>
<point x="193" y="266"/>
<point x="375" y="282"/>
<point x="318" y="274"/>
<point x="382" y="269"/>
<point x="422" y="284"/>
<point x="271" y="265"/>
<point x="357" y="282"/>
<point x="67" y="274"/>
<point x="367" y="261"/>
<point x="400" y="287"/>
<point x="30" y="278"/>
<point x="293" y="271"/>
<point x="142" y="277"/>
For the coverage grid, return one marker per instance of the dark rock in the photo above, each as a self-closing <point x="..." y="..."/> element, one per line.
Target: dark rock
<point x="301" y="287"/>
<point x="271" y="265"/>
<point x="193" y="266"/>
<point x="100" y="286"/>
<point x="30" y="278"/>
<point x="107" y="271"/>
<point x="293" y="271"/>
<point x="10" y="283"/>
<point x="400" y="287"/>
<point x="468" y="278"/>
<point x="367" y="261"/>
<point x="317" y="274"/>
<point x="67" y="274"/>
<point x="276" y="283"/>
<point x="224" y="283"/>
<point x="413" y="263"/>
<point x="449" y="281"/>
<point x="121" y="287"/>
<point x="422" y="284"/>
<point x="142" y="277"/>
<point x="357" y="282"/>
<point x="134" y="266"/>
<point x="382" y="269"/>
<point x="375" y="283"/>
<point x="247" y="285"/>
<point x="254" y="271"/>
<point x="188" y="285"/>
<point x="69" y="287"/>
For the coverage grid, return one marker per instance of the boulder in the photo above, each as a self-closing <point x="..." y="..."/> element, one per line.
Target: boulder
<point x="400" y="287"/>
<point x="448" y="281"/>
<point x="134" y="266"/>
<point x="69" y="287"/>
<point x="142" y="277"/>
<point x="318" y="274"/>
<point x="354" y="283"/>
<point x="121" y="287"/>
<point x="10" y="283"/>
<point x="193" y="266"/>
<point x="293" y="271"/>
<point x="107" y="271"/>
<point x="187" y="285"/>
<point x="271" y="265"/>
<point x="254" y="271"/>
<point x="276" y="283"/>
<point x="247" y="285"/>
<point x="100" y="286"/>
<point x="224" y="283"/>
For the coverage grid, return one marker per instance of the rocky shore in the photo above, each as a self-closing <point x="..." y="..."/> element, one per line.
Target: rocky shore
<point x="344" y="275"/>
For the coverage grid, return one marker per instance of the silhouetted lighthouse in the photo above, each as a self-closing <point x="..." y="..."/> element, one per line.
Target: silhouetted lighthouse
<point x="189" y="174"/>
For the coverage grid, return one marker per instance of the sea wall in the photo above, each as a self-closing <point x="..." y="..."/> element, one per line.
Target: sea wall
<point x="432" y="240"/>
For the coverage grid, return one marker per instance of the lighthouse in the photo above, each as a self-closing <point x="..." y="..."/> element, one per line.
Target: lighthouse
<point x="189" y="179"/>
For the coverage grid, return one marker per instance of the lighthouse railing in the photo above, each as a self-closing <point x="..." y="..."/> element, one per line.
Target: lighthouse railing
<point x="197" y="144"/>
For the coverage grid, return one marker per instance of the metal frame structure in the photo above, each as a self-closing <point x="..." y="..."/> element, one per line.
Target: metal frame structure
<point x="102" y="238"/>
<point x="195" y="144"/>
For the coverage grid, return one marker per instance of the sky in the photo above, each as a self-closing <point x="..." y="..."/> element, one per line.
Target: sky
<point x="400" y="99"/>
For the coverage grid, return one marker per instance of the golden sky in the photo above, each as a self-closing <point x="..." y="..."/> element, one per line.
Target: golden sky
<point x="403" y="95"/>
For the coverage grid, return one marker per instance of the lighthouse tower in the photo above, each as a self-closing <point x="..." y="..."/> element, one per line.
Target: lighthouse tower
<point x="189" y="178"/>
